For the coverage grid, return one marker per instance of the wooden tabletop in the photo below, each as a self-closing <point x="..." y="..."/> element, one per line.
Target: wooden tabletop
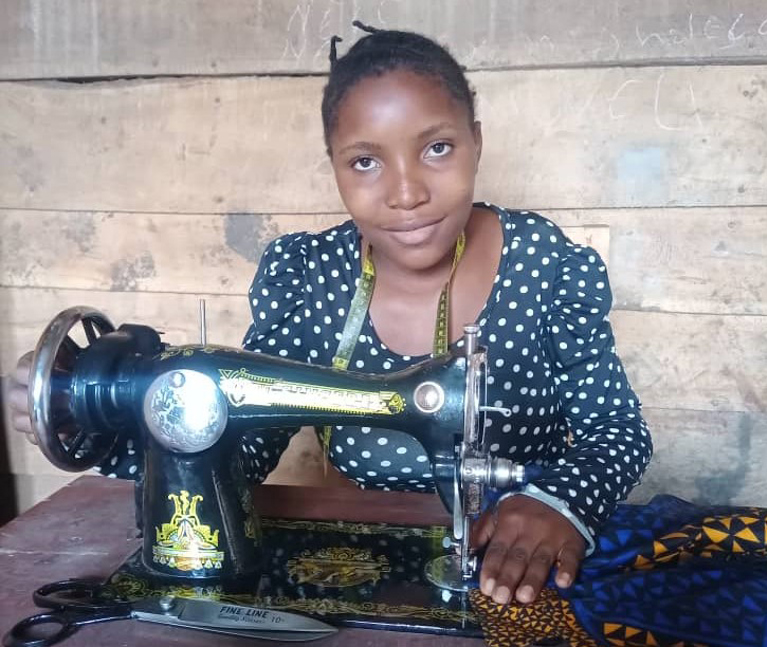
<point x="87" y="529"/>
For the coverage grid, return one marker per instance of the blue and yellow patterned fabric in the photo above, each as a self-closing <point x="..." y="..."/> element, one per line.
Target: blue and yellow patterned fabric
<point x="665" y="574"/>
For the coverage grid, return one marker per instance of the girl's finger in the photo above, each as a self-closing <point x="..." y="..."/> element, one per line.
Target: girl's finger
<point x="538" y="569"/>
<point x="23" y="367"/>
<point x="482" y="530"/>
<point x="17" y="399"/>
<point x="568" y="563"/>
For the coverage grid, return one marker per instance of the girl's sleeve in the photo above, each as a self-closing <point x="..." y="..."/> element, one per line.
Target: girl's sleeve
<point x="126" y="459"/>
<point x="608" y="445"/>
<point x="278" y="309"/>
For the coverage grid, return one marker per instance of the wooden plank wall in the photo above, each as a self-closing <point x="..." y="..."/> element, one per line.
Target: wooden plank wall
<point x="149" y="150"/>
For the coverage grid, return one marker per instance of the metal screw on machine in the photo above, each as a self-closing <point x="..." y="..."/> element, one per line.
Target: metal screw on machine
<point x="470" y="334"/>
<point x="167" y="602"/>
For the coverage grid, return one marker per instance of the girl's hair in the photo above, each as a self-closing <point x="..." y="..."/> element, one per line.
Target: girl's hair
<point x="383" y="51"/>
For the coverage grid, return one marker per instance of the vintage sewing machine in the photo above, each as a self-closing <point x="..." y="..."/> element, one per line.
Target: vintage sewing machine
<point x="191" y="404"/>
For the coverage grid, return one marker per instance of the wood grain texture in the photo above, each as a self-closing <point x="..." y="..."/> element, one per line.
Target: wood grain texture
<point x="29" y="489"/>
<point x="199" y="254"/>
<point x="706" y="457"/>
<point x="616" y="137"/>
<point x="79" y="38"/>
<point x="704" y="260"/>
<point x="694" y="362"/>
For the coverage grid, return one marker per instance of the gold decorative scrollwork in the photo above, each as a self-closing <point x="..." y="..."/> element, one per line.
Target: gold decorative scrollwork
<point x="187" y="351"/>
<point x="356" y="528"/>
<point x="337" y="567"/>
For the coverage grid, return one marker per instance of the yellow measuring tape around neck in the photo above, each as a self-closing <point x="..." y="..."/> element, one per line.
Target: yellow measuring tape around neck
<point x="359" y="309"/>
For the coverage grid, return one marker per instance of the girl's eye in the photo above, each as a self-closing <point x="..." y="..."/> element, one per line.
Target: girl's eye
<point x="364" y="164"/>
<point x="439" y="149"/>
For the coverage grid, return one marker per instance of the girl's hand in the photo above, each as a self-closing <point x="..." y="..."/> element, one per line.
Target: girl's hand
<point x="526" y="539"/>
<point x="17" y="397"/>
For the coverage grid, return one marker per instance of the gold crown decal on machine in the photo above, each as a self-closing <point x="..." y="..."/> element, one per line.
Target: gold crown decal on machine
<point x="185" y="543"/>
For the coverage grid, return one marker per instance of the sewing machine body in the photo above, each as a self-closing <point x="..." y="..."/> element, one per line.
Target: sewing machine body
<point x="192" y="405"/>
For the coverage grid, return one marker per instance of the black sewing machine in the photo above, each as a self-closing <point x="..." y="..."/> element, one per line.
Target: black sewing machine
<point x="192" y="403"/>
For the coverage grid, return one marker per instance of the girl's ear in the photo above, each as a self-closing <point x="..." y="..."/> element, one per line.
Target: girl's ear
<point x="478" y="140"/>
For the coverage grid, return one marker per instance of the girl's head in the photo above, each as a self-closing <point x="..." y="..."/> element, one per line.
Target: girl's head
<point x="404" y="145"/>
<point x="384" y="51"/>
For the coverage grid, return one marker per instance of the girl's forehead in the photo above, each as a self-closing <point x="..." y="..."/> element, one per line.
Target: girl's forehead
<point x="400" y="95"/>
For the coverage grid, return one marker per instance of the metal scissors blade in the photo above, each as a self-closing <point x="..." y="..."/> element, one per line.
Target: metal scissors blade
<point x="231" y="619"/>
<point x="74" y="603"/>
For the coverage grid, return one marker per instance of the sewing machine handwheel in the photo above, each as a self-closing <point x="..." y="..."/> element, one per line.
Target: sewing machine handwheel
<point x="64" y="443"/>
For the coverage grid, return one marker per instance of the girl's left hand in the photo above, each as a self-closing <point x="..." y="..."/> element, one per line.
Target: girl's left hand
<point x="526" y="539"/>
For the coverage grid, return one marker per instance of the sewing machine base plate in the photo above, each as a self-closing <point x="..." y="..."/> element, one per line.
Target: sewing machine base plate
<point x="370" y="575"/>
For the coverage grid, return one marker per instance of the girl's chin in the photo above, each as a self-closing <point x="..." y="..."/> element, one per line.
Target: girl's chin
<point x="418" y="259"/>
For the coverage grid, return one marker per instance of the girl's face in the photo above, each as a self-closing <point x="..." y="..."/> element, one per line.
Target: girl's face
<point x="405" y="157"/>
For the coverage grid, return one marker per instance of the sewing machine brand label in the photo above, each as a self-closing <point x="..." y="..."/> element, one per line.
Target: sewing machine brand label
<point x="243" y="388"/>
<point x="186" y="544"/>
<point x="233" y="616"/>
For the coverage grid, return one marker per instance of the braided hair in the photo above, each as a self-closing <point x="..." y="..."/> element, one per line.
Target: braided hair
<point x="382" y="51"/>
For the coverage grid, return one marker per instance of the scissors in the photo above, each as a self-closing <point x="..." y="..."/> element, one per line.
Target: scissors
<point x="74" y="603"/>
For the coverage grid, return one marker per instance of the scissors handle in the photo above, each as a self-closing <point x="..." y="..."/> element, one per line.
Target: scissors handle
<point x="82" y="595"/>
<point x="23" y="633"/>
<point x="49" y="628"/>
<point x="72" y="603"/>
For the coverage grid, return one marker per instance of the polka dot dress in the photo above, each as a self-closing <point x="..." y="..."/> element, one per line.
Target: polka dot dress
<point x="551" y="357"/>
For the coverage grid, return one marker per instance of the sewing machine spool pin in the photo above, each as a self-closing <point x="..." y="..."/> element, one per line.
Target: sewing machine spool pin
<point x="189" y="407"/>
<point x="203" y="324"/>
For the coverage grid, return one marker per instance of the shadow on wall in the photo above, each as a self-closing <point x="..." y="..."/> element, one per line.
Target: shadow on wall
<point x="8" y="508"/>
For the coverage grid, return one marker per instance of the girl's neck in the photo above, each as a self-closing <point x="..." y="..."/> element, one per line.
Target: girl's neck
<point x="390" y="271"/>
<point x="403" y="308"/>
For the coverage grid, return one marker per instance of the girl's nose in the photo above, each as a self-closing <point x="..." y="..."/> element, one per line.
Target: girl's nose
<point x="407" y="191"/>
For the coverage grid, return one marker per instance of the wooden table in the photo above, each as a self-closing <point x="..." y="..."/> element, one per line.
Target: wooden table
<point x="87" y="529"/>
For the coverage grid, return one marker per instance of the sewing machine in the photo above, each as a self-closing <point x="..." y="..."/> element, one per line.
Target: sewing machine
<point x="191" y="404"/>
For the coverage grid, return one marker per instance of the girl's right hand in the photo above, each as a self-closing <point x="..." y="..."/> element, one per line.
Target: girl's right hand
<point x="19" y="403"/>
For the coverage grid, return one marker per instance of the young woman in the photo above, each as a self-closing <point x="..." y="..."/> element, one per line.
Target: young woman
<point x="405" y="146"/>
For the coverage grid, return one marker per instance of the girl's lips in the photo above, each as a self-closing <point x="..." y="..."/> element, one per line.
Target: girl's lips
<point x="415" y="236"/>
